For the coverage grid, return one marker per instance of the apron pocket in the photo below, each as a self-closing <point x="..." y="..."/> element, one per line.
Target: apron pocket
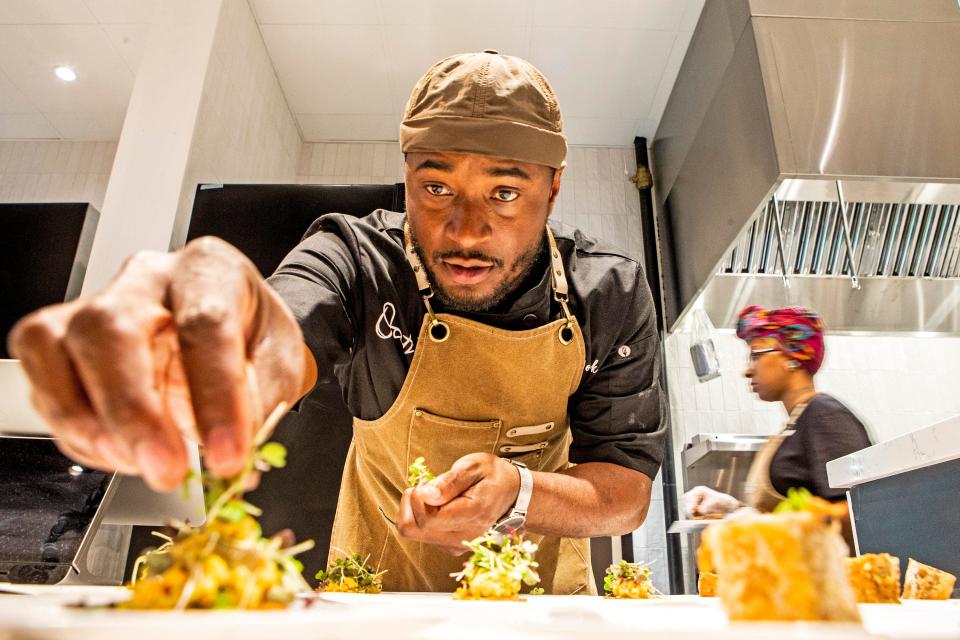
<point x="442" y="441"/>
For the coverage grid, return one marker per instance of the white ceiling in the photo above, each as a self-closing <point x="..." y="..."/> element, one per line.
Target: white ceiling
<point x="100" y="39"/>
<point x="612" y="62"/>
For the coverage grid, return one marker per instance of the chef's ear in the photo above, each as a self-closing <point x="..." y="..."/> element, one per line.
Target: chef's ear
<point x="555" y="186"/>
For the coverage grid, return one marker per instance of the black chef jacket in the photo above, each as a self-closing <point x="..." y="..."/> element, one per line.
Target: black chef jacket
<point x="355" y="296"/>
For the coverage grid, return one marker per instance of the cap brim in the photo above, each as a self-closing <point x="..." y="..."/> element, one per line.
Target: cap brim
<point x="484" y="136"/>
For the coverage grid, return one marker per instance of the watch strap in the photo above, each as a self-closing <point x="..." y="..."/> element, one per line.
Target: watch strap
<point x="526" y="490"/>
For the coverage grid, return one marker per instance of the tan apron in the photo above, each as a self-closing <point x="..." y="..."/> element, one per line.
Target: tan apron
<point x="759" y="490"/>
<point x="470" y="388"/>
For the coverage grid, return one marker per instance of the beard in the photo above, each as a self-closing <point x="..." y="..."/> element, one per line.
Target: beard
<point x="517" y="272"/>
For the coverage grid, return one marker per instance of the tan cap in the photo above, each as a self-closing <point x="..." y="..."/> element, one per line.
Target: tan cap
<point x="485" y="103"/>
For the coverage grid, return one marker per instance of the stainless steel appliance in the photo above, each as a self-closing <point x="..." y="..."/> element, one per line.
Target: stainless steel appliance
<point x="720" y="461"/>
<point x="810" y="155"/>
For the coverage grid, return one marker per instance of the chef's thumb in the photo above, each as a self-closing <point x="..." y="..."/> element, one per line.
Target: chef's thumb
<point x="447" y="486"/>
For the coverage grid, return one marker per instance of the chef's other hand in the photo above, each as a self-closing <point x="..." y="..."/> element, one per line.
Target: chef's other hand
<point x="163" y="350"/>
<point x="704" y="501"/>
<point x="461" y="504"/>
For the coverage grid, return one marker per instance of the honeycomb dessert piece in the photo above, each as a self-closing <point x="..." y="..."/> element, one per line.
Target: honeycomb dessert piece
<point x="923" y="582"/>
<point x="875" y="577"/>
<point x="787" y="566"/>
<point x="707" y="584"/>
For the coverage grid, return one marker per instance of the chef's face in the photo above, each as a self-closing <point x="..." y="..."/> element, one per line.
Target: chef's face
<point x="477" y="223"/>
<point x="768" y="370"/>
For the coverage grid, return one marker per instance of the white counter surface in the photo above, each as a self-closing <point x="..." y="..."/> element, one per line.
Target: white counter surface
<point x="931" y="445"/>
<point x="436" y="616"/>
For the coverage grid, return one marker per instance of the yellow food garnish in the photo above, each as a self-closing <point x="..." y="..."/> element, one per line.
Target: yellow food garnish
<point x="497" y="568"/>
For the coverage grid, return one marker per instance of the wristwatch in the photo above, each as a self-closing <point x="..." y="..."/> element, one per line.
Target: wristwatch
<point x="515" y="520"/>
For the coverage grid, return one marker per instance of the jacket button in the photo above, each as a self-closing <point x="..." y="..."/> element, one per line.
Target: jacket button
<point x="531" y="320"/>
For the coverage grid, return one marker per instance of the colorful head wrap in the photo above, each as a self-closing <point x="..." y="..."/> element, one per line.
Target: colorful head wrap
<point x="798" y="331"/>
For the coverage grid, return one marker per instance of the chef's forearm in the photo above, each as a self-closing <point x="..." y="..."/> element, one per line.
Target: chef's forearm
<point x="591" y="499"/>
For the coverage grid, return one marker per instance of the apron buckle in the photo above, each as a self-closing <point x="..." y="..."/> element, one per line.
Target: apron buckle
<point x="439" y="331"/>
<point x="566" y="331"/>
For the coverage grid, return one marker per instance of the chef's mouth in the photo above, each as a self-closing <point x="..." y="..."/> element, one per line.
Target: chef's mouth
<point x="467" y="272"/>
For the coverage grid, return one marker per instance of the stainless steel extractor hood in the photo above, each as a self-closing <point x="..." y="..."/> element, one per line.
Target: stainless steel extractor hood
<point x="847" y="116"/>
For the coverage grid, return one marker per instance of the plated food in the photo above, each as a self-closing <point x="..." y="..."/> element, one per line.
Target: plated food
<point x="923" y="582"/>
<point x="350" y="574"/>
<point x="629" y="580"/>
<point x="787" y="565"/>
<point x="497" y="568"/>
<point x="875" y="578"/>
<point x="227" y="563"/>
<point x="707" y="584"/>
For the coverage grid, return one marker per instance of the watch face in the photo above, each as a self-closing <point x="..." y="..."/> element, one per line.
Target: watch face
<point x="509" y="525"/>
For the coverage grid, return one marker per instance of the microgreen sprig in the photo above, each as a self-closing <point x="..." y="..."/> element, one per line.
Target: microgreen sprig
<point x="419" y="473"/>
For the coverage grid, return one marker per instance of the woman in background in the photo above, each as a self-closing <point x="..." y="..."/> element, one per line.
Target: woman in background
<point x="786" y="351"/>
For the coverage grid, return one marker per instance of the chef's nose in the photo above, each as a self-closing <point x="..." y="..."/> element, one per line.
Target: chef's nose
<point x="467" y="224"/>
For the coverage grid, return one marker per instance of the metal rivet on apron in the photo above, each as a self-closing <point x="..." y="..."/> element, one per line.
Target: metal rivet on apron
<point x="439" y="331"/>
<point x="624" y="351"/>
<point x="566" y="334"/>
<point x="419" y="414"/>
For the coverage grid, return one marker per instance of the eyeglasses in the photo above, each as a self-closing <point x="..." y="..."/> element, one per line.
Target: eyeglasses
<point x="757" y="354"/>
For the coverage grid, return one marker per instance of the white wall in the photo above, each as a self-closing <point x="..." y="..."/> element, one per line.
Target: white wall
<point x="244" y="132"/>
<point x="595" y="193"/>
<point x="52" y="171"/>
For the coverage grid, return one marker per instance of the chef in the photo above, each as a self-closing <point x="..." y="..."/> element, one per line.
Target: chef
<point x="519" y="360"/>
<point x="786" y="352"/>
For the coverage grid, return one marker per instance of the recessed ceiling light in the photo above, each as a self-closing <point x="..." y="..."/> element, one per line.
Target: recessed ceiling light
<point x="65" y="73"/>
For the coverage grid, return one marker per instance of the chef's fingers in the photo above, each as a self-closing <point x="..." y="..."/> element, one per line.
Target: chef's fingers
<point x="109" y="339"/>
<point x="56" y="393"/>
<point x="411" y="515"/>
<point x="465" y="472"/>
<point x="422" y="523"/>
<point x="112" y="355"/>
<point x="414" y="513"/>
<point x="213" y="303"/>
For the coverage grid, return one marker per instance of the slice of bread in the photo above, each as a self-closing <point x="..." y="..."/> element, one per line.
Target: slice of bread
<point x="923" y="582"/>
<point x="875" y="577"/>
<point x="707" y="584"/>
<point x="786" y="566"/>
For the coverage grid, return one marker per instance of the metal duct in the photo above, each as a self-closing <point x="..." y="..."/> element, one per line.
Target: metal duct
<point x="790" y="99"/>
<point x="887" y="240"/>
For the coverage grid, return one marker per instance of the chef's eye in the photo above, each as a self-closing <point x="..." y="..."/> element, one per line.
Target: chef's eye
<point x="506" y="195"/>
<point x="437" y="190"/>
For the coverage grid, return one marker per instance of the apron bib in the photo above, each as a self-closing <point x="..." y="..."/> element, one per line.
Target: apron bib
<point x="470" y="388"/>
<point x="759" y="490"/>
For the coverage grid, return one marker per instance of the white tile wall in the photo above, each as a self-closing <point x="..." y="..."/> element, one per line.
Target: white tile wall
<point x="895" y="384"/>
<point x="245" y="132"/>
<point x="596" y="195"/>
<point x="40" y="171"/>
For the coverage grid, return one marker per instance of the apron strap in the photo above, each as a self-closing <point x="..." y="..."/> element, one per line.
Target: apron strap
<point x="558" y="276"/>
